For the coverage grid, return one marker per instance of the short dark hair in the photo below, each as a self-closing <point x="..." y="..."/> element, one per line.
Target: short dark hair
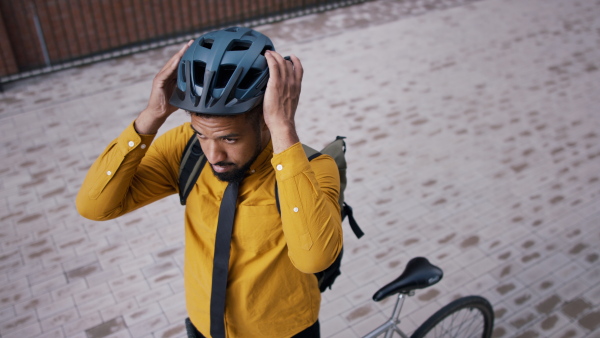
<point x="252" y="116"/>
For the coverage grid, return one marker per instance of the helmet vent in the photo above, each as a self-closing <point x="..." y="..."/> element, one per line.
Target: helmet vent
<point x="207" y="43"/>
<point x="250" y="78"/>
<point x="238" y="45"/>
<point x="267" y="47"/>
<point x="223" y="75"/>
<point x="199" y="68"/>
<point x="182" y="74"/>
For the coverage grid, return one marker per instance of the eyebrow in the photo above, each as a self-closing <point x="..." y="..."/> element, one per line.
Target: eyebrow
<point x="224" y="136"/>
<point x="195" y="131"/>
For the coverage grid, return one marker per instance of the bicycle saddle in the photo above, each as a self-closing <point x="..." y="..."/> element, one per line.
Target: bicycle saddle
<point x="418" y="274"/>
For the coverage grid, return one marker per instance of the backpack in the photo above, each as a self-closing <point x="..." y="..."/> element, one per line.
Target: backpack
<point x="193" y="160"/>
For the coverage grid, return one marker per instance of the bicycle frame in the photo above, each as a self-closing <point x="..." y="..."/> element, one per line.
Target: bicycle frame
<point x="391" y="325"/>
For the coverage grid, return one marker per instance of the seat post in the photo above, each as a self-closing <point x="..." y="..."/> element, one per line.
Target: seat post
<point x="390" y="326"/>
<point x="397" y="309"/>
<point x="394" y="321"/>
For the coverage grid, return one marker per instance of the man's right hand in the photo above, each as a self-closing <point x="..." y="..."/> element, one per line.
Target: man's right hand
<point x="159" y="108"/>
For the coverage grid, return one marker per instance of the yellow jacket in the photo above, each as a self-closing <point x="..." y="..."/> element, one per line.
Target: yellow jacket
<point x="271" y="289"/>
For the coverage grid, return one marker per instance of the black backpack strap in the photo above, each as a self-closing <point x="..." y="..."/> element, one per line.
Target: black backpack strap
<point x="353" y="225"/>
<point x="311" y="153"/>
<point x="192" y="162"/>
<point x="326" y="277"/>
<point x="346" y="212"/>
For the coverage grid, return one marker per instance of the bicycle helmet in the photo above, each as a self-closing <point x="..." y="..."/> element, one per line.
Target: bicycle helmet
<point x="223" y="72"/>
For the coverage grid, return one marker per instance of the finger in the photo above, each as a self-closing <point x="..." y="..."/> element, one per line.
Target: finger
<point x="281" y="61"/>
<point x="174" y="60"/>
<point x="298" y="69"/>
<point x="289" y="67"/>
<point x="181" y="51"/>
<point x="274" y="70"/>
<point x="277" y="56"/>
<point x="289" y="64"/>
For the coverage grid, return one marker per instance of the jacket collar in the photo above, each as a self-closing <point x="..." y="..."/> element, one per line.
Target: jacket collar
<point x="263" y="161"/>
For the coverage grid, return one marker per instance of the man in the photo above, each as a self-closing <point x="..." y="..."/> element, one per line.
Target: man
<point x="242" y="97"/>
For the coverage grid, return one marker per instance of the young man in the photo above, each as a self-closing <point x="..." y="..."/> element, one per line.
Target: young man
<point x="256" y="280"/>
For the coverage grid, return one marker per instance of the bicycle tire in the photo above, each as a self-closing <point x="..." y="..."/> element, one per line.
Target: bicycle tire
<point x="466" y="317"/>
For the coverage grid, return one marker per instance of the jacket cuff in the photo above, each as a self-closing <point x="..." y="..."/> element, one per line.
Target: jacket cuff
<point x="290" y="162"/>
<point x="130" y="141"/>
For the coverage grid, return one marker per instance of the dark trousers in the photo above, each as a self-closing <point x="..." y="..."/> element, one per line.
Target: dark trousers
<point x="313" y="331"/>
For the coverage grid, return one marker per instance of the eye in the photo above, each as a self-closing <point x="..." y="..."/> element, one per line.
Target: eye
<point x="229" y="140"/>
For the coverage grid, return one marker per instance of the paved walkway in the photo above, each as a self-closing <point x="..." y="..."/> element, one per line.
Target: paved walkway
<point x="473" y="137"/>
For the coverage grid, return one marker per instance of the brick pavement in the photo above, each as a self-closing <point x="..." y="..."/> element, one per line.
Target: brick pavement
<point x="473" y="140"/>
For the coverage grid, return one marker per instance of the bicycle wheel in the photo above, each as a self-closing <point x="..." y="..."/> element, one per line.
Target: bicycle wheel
<point x="466" y="317"/>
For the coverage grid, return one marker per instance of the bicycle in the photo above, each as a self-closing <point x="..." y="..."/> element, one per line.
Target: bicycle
<point x="469" y="316"/>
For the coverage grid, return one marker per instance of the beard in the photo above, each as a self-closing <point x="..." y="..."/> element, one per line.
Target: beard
<point x="238" y="173"/>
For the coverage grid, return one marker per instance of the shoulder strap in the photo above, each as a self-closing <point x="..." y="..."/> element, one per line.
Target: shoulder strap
<point x="310" y="152"/>
<point x="192" y="162"/>
<point x="347" y="211"/>
<point x="337" y="150"/>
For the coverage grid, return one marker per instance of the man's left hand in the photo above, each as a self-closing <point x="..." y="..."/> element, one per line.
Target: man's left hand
<point x="281" y="99"/>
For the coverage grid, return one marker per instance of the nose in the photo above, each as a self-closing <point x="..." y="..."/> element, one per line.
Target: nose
<point x="213" y="152"/>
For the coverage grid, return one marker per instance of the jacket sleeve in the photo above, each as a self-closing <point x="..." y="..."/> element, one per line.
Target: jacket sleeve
<point x="130" y="173"/>
<point x="310" y="212"/>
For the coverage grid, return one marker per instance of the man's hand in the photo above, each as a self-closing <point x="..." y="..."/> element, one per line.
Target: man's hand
<point x="281" y="99"/>
<point x="159" y="109"/>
